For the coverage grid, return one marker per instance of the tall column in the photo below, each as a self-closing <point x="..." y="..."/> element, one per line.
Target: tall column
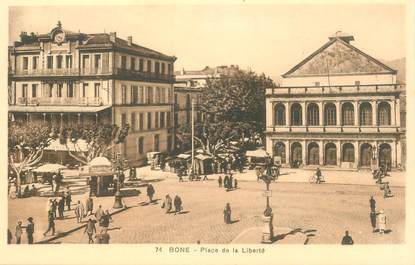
<point x="79" y="118"/>
<point x="44" y="117"/>
<point x="287" y="113"/>
<point x="374" y="112"/>
<point x="398" y="112"/>
<point x="393" y="154"/>
<point x="321" y="153"/>
<point x="398" y="153"/>
<point x="338" y="113"/>
<point x="304" y="152"/>
<point x="304" y="113"/>
<point x="393" y="112"/>
<point x="321" y="113"/>
<point x="287" y="151"/>
<point x="338" y="153"/>
<point x="356" y="113"/>
<point x="356" y="154"/>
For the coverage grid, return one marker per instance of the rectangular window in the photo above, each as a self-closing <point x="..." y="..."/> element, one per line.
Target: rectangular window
<point x="162" y="120"/>
<point x="34" y="62"/>
<point x="59" y="92"/>
<point x="123" y="62"/>
<point x="68" y="61"/>
<point x="134" y="92"/>
<point x="156" y="119"/>
<point x="70" y="90"/>
<point x="24" y="91"/>
<point x="156" y="142"/>
<point x="141" y="121"/>
<point x="133" y="120"/>
<point x="163" y="95"/>
<point x="25" y="63"/>
<point x="163" y="68"/>
<point x="97" y="60"/>
<point x="149" y="121"/>
<point x="148" y="66"/>
<point x="34" y="90"/>
<point x="123" y="119"/>
<point x="85" y="61"/>
<point x="150" y="96"/>
<point x="168" y="121"/>
<point x="123" y="94"/>
<point x="170" y="69"/>
<point x="132" y="63"/>
<point x="59" y="60"/>
<point x="85" y="90"/>
<point x="158" y="95"/>
<point x="175" y="98"/>
<point x="157" y="67"/>
<point x="141" y="145"/>
<point x="50" y="62"/>
<point x="141" y="65"/>
<point x="97" y="87"/>
<point x="142" y="99"/>
<point x="50" y="90"/>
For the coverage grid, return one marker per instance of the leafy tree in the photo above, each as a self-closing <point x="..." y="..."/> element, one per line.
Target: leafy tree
<point x="233" y="107"/>
<point x="99" y="139"/>
<point x="26" y="142"/>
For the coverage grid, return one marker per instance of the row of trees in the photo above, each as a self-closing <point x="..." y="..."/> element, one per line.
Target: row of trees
<point x="27" y="142"/>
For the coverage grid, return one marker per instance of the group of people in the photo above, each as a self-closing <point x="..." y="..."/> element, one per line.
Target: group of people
<point x="231" y="162"/>
<point x="168" y="204"/>
<point x="229" y="182"/>
<point x="29" y="227"/>
<point x="104" y="219"/>
<point x="378" y="175"/>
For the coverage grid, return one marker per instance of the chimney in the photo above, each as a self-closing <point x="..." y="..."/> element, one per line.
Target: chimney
<point x="113" y="36"/>
<point x="130" y="40"/>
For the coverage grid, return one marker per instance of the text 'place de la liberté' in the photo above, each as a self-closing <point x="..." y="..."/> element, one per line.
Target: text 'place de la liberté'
<point x="109" y="143"/>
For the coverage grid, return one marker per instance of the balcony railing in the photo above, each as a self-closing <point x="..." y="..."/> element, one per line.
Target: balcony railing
<point x="297" y="90"/>
<point x="60" y="101"/>
<point x="47" y="72"/>
<point x="145" y="75"/>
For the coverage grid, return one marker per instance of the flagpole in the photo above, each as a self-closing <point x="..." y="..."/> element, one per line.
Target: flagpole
<point x="193" y="135"/>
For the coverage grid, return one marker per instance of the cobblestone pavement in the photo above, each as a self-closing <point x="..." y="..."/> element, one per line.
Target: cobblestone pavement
<point x="323" y="212"/>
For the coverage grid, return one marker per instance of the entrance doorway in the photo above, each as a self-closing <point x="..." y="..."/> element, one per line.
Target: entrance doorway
<point x="313" y="154"/>
<point x="330" y="154"/>
<point x="365" y="155"/>
<point x="385" y="155"/>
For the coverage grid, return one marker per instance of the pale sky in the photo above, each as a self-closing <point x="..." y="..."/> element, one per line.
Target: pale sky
<point x="266" y="38"/>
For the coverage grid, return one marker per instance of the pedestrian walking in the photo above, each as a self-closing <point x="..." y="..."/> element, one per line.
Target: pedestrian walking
<point x="54" y="208"/>
<point x="61" y="207"/>
<point x="30" y="230"/>
<point x="150" y="192"/>
<point x="79" y="211"/>
<point x="372" y="203"/>
<point x="318" y="175"/>
<point x="68" y="198"/>
<point x="373" y="220"/>
<point x="230" y="182"/>
<point x="19" y="232"/>
<point x="89" y="206"/>
<point x="90" y="230"/>
<point x="51" y="224"/>
<point x="205" y="177"/>
<point x="99" y="213"/>
<point x="227" y="213"/>
<point x="381" y="222"/>
<point x="177" y="204"/>
<point x="220" y="181"/>
<point x="226" y="182"/>
<point x="167" y="203"/>
<point x="347" y="239"/>
<point x="104" y="222"/>
<point x="235" y="184"/>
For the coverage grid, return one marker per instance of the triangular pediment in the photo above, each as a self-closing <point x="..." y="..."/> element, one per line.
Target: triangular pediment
<point x="338" y="58"/>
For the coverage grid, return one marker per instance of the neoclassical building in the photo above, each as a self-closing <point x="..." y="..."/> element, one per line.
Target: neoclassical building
<point x="64" y="77"/>
<point x="339" y="107"/>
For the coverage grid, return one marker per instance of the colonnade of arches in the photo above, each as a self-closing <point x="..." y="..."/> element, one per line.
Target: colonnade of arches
<point x="294" y="153"/>
<point x="330" y="112"/>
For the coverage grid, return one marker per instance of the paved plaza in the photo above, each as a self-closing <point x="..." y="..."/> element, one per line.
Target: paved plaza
<point x="320" y="213"/>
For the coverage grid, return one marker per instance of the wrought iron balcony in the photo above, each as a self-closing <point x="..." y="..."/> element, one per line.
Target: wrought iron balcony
<point x="64" y="101"/>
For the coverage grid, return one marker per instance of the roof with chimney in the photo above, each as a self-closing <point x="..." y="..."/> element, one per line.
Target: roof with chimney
<point x="338" y="57"/>
<point x="91" y="40"/>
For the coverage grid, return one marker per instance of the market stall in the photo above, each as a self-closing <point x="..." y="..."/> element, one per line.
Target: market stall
<point x="257" y="157"/>
<point x="101" y="173"/>
<point x="203" y="164"/>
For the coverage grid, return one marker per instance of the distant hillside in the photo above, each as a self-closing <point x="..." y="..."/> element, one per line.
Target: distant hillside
<point x="398" y="65"/>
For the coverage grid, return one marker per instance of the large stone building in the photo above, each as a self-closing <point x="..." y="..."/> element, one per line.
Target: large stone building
<point x="338" y="107"/>
<point x="65" y="77"/>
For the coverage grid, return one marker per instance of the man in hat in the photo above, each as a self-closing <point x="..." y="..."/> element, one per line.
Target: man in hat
<point x="90" y="230"/>
<point x="79" y="211"/>
<point x="177" y="204"/>
<point x="89" y="206"/>
<point x="51" y="224"/>
<point x="373" y="220"/>
<point x="372" y="203"/>
<point x="30" y="229"/>
<point x="150" y="192"/>
<point x="220" y="181"/>
<point x="347" y="240"/>
<point x="68" y="198"/>
<point x="19" y="232"/>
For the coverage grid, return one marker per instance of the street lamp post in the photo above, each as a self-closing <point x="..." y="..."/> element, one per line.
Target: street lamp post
<point x="193" y="139"/>
<point x="268" y="216"/>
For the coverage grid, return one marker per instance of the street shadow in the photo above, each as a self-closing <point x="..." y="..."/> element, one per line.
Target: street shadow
<point x="234" y="221"/>
<point x="183" y="212"/>
<point x="114" y="228"/>
<point x="387" y="231"/>
<point x="282" y="236"/>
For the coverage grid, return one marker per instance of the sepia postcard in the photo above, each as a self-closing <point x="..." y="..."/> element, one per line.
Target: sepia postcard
<point x="207" y="132"/>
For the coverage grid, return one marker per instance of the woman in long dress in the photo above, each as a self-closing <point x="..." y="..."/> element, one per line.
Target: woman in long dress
<point x="381" y="222"/>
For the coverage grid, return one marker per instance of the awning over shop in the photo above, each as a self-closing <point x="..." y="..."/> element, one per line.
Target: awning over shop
<point x="49" y="168"/>
<point x="99" y="162"/>
<point x="80" y="146"/>
<point x="57" y="109"/>
<point x="184" y="156"/>
<point x="257" y="153"/>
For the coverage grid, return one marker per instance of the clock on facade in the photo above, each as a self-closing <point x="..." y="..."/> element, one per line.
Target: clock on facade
<point x="59" y="37"/>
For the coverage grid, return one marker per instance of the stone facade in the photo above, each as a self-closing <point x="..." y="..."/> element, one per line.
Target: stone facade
<point x="63" y="77"/>
<point x="336" y="111"/>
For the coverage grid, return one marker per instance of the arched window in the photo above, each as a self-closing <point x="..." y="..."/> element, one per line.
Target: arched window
<point x="365" y="114"/>
<point x="279" y="114"/>
<point x="296" y="153"/>
<point x="296" y="115"/>
<point x="385" y="157"/>
<point x="330" y="154"/>
<point x="313" y="154"/>
<point x="313" y="115"/>
<point x="279" y="150"/>
<point x="384" y="114"/>
<point x="348" y="153"/>
<point x="347" y="114"/>
<point x="365" y="154"/>
<point x="330" y="114"/>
